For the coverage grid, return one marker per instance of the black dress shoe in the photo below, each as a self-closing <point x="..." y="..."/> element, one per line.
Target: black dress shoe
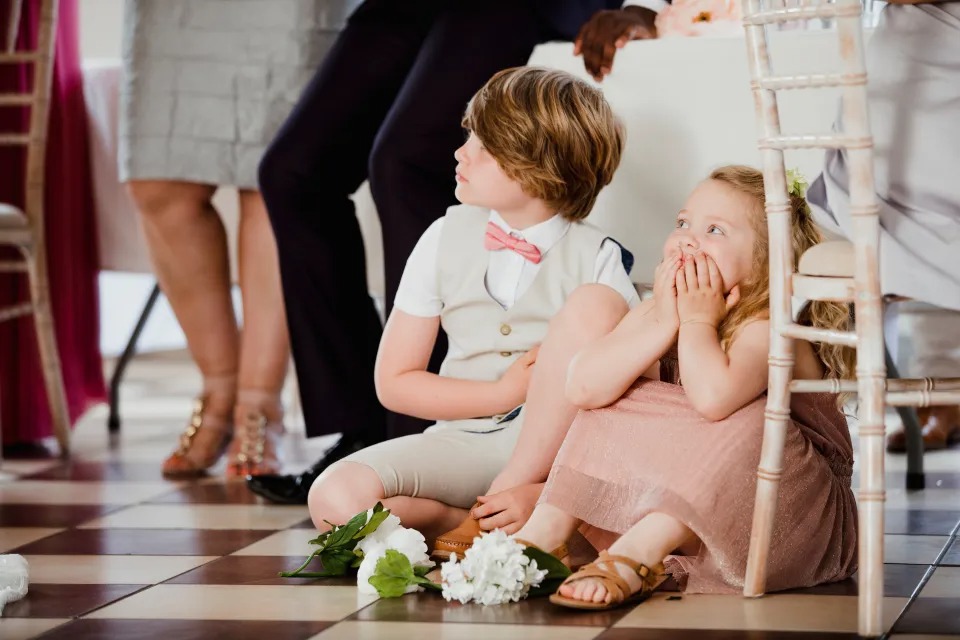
<point x="293" y="489"/>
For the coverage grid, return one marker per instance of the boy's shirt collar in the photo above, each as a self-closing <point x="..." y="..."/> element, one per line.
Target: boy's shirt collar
<point x="542" y="235"/>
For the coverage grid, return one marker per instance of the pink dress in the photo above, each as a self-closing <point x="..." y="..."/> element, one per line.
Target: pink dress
<point x="652" y="452"/>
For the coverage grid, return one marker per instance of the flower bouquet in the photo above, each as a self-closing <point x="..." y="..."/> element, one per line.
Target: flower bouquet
<point x="391" y="560"/>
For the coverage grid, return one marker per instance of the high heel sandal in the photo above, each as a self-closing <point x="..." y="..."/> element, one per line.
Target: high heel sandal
<point x="189" y="460"/>
<point x="253" y="451"/>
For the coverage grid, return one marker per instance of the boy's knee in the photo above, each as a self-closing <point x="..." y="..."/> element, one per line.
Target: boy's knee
<point x="343" y="491"/>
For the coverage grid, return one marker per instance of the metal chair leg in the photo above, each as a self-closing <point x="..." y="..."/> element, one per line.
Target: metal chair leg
<point x="113" y="422"/>
<point x="916" y="479"/>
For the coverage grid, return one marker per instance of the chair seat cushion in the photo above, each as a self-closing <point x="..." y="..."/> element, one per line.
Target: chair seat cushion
<point x="833" y="259"/>
<point x="11" y="217"/>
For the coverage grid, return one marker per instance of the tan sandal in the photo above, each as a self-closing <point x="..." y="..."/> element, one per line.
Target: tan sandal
<point x="192" y="458"/>
<point x="256" y="440"/>
<point x="602" y="569"/>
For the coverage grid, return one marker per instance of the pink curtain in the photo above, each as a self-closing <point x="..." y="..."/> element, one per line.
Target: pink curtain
<point x="71" y="244"/>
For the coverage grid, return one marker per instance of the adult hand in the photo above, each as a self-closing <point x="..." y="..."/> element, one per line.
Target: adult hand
<point x="700" y="295"/>
<point x="508" y="510"/>
<point x="515" y="380"/>
<point x="608" y="31"/>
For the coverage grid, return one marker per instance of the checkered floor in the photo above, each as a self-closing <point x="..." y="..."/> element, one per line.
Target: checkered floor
<point x="117" y="552"/>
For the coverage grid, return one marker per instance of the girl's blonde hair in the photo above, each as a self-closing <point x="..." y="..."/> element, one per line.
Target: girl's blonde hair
<point x="755" y="294"/>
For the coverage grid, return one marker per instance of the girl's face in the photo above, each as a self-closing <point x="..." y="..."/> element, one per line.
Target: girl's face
<point x="716" y="220"/>
<point x="481" y="181"/>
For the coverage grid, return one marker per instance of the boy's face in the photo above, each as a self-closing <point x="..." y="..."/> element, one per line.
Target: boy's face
<point x="481" y="182"/>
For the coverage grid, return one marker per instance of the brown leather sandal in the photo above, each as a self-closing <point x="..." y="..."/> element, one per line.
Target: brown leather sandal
<point x="189" y="460"/>
<point x="602" y="570"/>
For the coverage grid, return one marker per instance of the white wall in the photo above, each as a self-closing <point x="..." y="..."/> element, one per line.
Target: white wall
<point x="101" y="23"/>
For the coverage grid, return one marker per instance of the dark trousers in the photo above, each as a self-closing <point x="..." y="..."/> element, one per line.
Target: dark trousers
<point x="386" y="104"/>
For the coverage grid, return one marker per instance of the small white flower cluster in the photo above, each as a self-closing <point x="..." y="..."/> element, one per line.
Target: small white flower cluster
<point x="494" y="571"/>
<point x="390" y="535"/>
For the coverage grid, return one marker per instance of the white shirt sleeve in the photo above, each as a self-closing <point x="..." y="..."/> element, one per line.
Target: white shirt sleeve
<point x="418" y="293"/>
<point x="653" y="5"/>
<point x="609" y="271"/>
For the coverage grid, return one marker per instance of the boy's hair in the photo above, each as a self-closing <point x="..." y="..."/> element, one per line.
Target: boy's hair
<point x="754" y="301"/>
<point x="552" y="133"/>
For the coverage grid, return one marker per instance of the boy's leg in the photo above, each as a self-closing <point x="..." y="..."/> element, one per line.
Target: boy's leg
<point x="428" y="480"/>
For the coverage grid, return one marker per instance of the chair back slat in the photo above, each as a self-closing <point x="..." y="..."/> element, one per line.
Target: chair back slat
<point x="11" y="26"/>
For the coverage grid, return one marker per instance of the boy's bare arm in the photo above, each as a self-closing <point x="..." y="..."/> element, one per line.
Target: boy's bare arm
<point x="405" y="386"/>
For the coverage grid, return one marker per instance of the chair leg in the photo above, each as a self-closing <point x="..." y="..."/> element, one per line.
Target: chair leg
<point x="47" y="344"/>
<point x="770" y="469"/>
<point x="916" y="479"/>
<point x="871" y="382"/>
<point x="113" y="421"/>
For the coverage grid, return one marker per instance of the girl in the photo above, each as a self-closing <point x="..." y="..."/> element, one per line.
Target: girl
<point x="663" y="461"/>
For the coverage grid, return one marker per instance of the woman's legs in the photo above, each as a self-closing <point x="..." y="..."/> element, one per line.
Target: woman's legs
<point x="188" y="248"/>
<point x="264" y="345"/>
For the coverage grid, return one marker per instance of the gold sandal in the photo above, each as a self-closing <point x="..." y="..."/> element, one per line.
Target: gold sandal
<point x="602" y="570"/>
<point x="254" y="448"/>
<point x="180" y="464"/>
<point x="562" y="552"/>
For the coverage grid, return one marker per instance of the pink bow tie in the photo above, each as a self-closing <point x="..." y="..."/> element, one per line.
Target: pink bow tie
<point x="497" y="239"/>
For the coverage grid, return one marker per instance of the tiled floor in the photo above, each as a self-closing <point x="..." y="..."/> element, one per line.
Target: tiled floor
<point x="117" y="552"/>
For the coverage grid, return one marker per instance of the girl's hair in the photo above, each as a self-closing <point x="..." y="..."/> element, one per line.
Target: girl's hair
<point x="754" y="301"/>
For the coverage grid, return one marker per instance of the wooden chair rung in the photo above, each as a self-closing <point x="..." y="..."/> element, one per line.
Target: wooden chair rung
<point x="811" y="141"/>
<point x="810" y="81"/>
<point x="14" y="139"/>
<point x="923" y="398"/>
<point x="16" y="100"/>
<point x="16" y="311"/>
<point x="803" y="13"/>
<point x="13" y="266"/>
<point x="830" y="288"/>
<point x="892" y="385"/>
<point x="815" y="334"/>
<point x="18" y="57"/>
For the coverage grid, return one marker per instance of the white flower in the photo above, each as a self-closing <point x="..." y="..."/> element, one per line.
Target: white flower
<point x="380" y="534"/>
<point x="494" y="571"/>
<point x="390" y="535"/>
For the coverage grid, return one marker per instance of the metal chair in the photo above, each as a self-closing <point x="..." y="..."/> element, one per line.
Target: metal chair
<point x="24" y="229"/>
<point x="851" y="275"/>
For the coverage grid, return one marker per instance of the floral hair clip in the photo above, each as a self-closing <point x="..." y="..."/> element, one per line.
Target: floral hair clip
<point x="796" y="183"/>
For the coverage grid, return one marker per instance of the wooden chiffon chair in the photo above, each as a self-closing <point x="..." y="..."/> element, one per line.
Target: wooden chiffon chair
<point x="837" y="271"/>
<point x="24" y="229"/>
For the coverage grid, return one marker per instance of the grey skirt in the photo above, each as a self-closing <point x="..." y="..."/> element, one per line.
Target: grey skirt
<point x="207" y="83"/>
<point x="913" y="61"/>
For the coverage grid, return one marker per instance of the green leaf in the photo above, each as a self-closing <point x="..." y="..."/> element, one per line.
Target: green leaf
<point x="375" y="521"/>
<point x="393" y="574"/>
<point x="421" y="571"/>
<point x="545" y="561"/>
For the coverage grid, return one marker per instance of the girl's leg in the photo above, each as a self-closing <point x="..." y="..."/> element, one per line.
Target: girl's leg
<point x="188" y="247"/>
<point x="648" y="542"/>
<point x="351" y="487"/>
<point x="591" y="312"/>
<point x="264" y="345"/>
<point x="548" y="527"/>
